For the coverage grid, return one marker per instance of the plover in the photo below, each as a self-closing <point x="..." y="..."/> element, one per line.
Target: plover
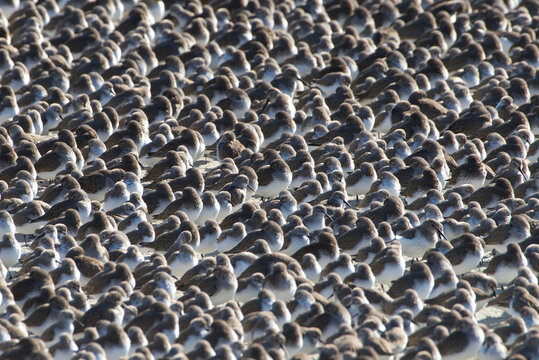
<point x="280" y="283"/>
<point x="520" y="298"/>
<point x="230" y="238"/>
<point x="511" y="331"/>
<point x="6" y="223"/>
<point x="295" y="239"/>
<point x="115" y="341"/>
<point x="106" y="279"/>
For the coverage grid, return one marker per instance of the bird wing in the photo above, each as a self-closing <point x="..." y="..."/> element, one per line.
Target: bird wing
<point x="57" y="209"/>
<point x="308" y="249"/>
<point x="320" y="321"/>
<point x="454" y="257"/>
<point x="348" y="240"/>
<point x="398" y="287"/>
<point x="88" y="266"/>
<point x="247" y="242"/>
<point x="498" y="235"/>
<point x="209" y="285"/>
<point x="50" y="193"/>
<point x="48" y="162"/>
<point x="264" y="176"/>
<point x="493" y="264"/>
<point x="265" y="263"/>
<point x="456" y="342"/>
<point x="95" y="285"/>
<point x="92" y="183"/>
<point x="377" y="266"/>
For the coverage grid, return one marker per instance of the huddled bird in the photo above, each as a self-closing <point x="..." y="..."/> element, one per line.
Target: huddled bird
<point x="269" y="179"/>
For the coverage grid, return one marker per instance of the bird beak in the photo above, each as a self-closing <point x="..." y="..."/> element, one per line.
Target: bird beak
<point x="442" y="234"/>
<point x="523" y="174"/>
<point x="330" y="218"/>
<point x="261" y="111"/>
<point x="303" y="81"/>
<point x="40" y="236"/>
<point x="348" y="204"/>
<point x="77" y="322"/>
<point x="250" y="187"/>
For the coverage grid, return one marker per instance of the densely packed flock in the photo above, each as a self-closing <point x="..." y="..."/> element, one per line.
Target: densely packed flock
<point x="267" y="179"/>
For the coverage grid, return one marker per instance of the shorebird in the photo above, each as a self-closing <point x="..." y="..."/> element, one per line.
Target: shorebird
<point x="425" y="112"/>
<point x="466" y="254"/>
<point x="273" y="178"/>
<point x="464" y="342"/>
<point x="504" y="267"/>
<point x="419" y="279"/>
<point x="220" y="286"/>
<point x="416" y="241"/>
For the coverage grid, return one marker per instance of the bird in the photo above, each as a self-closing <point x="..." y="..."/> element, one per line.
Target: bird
<point x="465" y="341"/>
<point x="493" y="347"/>
<point x="10" y="250"/>
<point x="228" y="146"/>
<point x="54" y="161"/>
<point x="419" y="278"/>
<point x="416" y="241"/>
<point x="324" y="250"/>
<point x="159" y="199"/>
<point x="504" y="267"/>
<point x="221" y="143"/>
<point x="273" y="178"/>
<point x="516" y="230"/>
<point x="76" y="199"/>
<point x="280" y="283"/>
<point x="221" y="285"/>
<point x="389" y="267"/>
<point x="466" y="254"/>
<point x="360" y="181"/>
